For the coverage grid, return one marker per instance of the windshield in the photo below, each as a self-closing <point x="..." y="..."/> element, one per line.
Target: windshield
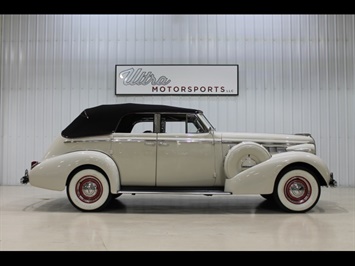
<point x="206" y="122"/>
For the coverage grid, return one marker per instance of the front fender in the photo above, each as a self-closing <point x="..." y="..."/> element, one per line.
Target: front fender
<point x="53" y="172"/>
<point x="260" y="179"/>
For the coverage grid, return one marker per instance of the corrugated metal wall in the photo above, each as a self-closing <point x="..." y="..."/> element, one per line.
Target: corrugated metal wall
<point x="296" y="75"/>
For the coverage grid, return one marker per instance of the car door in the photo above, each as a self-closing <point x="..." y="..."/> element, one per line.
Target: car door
<point x="134" y="150"/>
<point x="185" y="153"/>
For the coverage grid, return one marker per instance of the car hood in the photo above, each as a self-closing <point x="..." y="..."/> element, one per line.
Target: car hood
<point x="262" y="138"/>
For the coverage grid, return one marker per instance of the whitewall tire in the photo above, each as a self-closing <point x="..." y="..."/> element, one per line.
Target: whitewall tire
<point x="297" y="189"/>
<point x="89" y="190"/>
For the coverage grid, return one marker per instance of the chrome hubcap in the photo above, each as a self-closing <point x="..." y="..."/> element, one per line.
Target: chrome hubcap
<point x="297" y="190"/>
<point x="89" y="189"/>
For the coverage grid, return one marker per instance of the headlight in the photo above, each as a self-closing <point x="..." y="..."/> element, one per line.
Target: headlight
<point x="311" y="148"/>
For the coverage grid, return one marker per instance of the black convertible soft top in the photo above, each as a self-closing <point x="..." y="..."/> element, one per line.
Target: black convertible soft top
<point x="103" y="119"/>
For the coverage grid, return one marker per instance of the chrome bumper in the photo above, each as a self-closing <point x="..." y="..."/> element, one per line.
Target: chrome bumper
<point x="25" y="179"/>
<point x="332" y="182"/>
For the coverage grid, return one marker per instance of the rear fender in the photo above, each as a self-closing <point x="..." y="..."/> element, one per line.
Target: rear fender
<point x="53" y="172"/>
<point x="260" y="179"/>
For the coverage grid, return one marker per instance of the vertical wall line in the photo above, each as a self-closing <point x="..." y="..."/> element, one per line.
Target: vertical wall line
<point x="337" y="141"/>
<point x="346" y="134"/>
<point x="319" y="66"/>
<point x="1" y="95"/>
<point x="346" y="58"/>
<point x="11" y="88"/>
<point x="309" y="70"/>
<point x="327" y="88"/>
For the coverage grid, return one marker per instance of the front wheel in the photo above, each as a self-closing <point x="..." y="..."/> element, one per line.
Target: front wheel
<point x="89" y="190"/>
<point x="297" y="189"/>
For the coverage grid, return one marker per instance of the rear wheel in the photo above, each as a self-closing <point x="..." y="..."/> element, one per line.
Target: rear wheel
<point x="89" y="190"/>
<point x="297" y="189"/>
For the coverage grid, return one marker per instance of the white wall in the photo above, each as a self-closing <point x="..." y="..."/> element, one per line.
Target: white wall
<point x="296" y="75"/>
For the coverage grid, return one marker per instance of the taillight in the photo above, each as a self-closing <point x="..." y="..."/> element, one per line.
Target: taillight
<point x="33" y="164"/>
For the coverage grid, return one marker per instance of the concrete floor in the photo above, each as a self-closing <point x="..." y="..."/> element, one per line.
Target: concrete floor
<point x="34" y="219"/>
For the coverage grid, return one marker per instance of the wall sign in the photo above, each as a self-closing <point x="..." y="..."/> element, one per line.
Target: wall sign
<point x="177" y="79"/>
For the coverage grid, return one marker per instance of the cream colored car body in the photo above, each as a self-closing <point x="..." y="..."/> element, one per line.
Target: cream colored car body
<point x="162" y="162"/>
<point x="171" y="160"/>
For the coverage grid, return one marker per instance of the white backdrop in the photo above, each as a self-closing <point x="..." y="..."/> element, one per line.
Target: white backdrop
<point x="296" y="74"/>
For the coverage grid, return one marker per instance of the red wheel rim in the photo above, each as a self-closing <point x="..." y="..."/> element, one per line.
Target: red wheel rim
<point x="297" y="190"/>
<point x="88" y="189"/>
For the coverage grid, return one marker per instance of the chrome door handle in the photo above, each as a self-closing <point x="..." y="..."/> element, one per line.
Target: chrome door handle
<point x="149" y="143"/>
<point x="163" y="143"/>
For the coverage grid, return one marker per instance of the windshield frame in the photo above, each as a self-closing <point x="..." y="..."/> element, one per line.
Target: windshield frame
<point x="206" y="122"/>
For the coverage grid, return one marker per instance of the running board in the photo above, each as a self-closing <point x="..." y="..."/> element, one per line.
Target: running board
<point x="178" y="191"/>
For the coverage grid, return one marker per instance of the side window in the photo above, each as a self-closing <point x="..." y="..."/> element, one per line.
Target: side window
<point x="136" y="123"/>
<point x="191" y="128"/>
<point x="143" y="127"/>
<point x="175" y="127"/>
<point x="194" y="124"/>
<point x="180" y="124"/>
<point x="173" y="123"/>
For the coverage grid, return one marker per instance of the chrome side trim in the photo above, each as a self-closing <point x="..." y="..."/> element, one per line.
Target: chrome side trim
<point x="124" y="139"/>
<point x="267" y="144"/>
<point x="163" y="140"/>
<point x="86" y="140"/>
<point x="187" y="140"/>
<point x="207" y="193"/>
<point x="138" y="140"/>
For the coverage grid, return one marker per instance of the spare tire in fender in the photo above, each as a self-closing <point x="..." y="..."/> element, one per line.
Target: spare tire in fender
<point x="243" y="156"/>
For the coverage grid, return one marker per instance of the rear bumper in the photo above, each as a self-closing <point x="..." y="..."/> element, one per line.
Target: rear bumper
<point x="332" y="182"/>
<point x="25" y="179"/>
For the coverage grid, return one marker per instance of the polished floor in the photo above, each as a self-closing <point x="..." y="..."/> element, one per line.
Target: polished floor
<point x="34" y="219"/>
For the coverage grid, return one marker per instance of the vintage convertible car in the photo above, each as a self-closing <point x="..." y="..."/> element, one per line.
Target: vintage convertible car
<point x="110" y="150"/>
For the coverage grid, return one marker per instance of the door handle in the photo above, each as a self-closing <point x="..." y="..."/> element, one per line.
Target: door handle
<point x="149" y="143"/>
<point x="163" y="143"/>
